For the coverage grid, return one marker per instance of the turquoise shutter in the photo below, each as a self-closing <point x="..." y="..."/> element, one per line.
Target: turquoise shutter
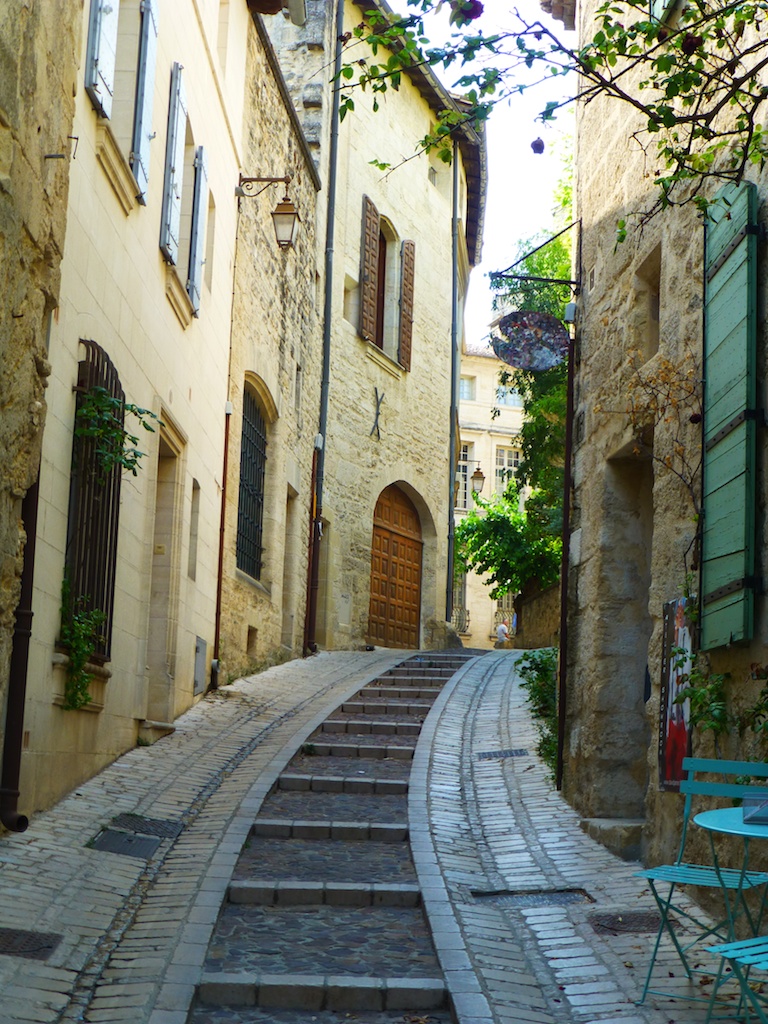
<point x="197" y="238"/>
<point x="174" y="168"/>
<point x="145" y="94"/>
<point x="730" y="320"/>
<point x="101" y="57"/>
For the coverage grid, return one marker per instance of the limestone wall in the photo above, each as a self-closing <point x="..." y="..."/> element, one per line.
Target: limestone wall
<point x="39" y="47"/>
<point x="538" y="621"/>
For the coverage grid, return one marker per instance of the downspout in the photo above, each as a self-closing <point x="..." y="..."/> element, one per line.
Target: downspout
<point x="454" y="378"/>
<point x="562" y="691"/>
<point x="17" y="679"/>
<point x="310" y="631"/>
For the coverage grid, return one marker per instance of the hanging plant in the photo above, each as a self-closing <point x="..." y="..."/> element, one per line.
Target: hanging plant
<point x="100" y="418"/>
<point x="80" y="634"/>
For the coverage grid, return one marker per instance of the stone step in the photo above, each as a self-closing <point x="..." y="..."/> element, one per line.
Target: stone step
<point x="370" y="728"/>
<point x="392" y="692"/>
<point x="332" y="894"/>
<point x="201" y="1014"/>
<point x="295" y="782"/>
<point x="316" y="992"/>
<point x="380" y="707"/>
<point x="306" y="860"/>
<point x="285" y="828"/>
<point x="320" y="748"/>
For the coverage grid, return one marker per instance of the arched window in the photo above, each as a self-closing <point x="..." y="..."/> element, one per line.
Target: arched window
<point x="253" y="461"/>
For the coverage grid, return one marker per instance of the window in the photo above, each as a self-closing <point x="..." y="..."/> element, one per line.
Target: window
<point x="509" y="397"/>
<point x="463" y="476"/>
<point x="120" y="76"/>
<point x="507" y="461"/>
<point x="94" y="506"/>
<point x="253" y="461"/>
<point x="467" y="389"/>
<point x="185" y="194"/>
<point x="387" y="276"/>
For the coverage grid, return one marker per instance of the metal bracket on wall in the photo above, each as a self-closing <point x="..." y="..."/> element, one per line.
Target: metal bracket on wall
<point x="375" y="428"/>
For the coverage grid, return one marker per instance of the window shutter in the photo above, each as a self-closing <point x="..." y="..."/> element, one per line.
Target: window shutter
<point x="145" y="94"/>
<point x="174" y="167"/>
<point x="408" y="263"/>
<point x="102" y="54"/>
<point x="728" y="542"/>
<point x="197" y="240"/>
<point x="369" y="269"/>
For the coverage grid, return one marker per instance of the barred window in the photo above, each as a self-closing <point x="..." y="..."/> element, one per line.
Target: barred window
<point x="253" y="461"/>
<point x="94" y="505"/>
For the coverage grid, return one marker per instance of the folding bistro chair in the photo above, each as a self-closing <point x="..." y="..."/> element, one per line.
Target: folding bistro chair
<point x="666" y="879"/>
<point x="743" y="957"/>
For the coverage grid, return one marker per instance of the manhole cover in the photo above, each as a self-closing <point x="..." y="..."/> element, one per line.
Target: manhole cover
<point x="31" y="945"/>
<point x="536" y="898"/>
<point x="148" y="826"/>
<point x="488" y="755"/>
<point x="631" y="921"/>
<point x="110" y="841"/>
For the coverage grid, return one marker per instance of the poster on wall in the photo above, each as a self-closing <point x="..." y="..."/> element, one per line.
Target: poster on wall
<point x="674" y="715"/>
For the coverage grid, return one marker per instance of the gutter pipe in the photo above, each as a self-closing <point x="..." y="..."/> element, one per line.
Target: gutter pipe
<point x="454" y="378"/>
<point x="310" y="643"/>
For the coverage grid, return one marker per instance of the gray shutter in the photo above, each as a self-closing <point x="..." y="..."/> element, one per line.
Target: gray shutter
<point x="101" y="57"/>
<point x="145" y="94"/>
<point x="369" y="269"/>
<point x="174" y="167"/>
<point x="197" y="238"/>
<point x="408" y="271"/>
<point x="729" y="494"/>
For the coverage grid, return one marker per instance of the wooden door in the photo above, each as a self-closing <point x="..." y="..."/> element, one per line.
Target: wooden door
<point x="395" y="608"/>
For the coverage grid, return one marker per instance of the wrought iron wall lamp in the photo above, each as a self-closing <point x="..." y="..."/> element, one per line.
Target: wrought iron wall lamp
<point x="285" y="216"/>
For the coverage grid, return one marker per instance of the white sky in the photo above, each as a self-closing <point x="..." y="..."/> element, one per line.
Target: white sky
<point x="520" y="183"/>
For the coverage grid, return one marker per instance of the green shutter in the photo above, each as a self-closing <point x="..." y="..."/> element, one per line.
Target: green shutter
<point x="728" y="543"/>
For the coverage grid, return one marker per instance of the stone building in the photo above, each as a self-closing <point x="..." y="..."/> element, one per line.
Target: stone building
<point x="172" y="103"/>
<point x="394" y="283"/>
<point x="488" y="443"/>
<point x="672" y="306"/>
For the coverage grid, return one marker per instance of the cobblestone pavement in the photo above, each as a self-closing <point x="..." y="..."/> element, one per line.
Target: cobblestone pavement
<point x="132" y="933"/>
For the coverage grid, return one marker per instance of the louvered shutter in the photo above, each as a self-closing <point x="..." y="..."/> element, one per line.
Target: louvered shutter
<point x="408" y="264"/>
<point x="101" y="57"/>
<point x="369" y="269"/>
<point x="197" y="238"/>
<point x="174" y="167"/>
<point x="145" y="94"/>
<point x="728" y="545"/>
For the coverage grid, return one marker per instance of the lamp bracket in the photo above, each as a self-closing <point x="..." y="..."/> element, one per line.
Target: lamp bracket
<point x="248" y="186"/>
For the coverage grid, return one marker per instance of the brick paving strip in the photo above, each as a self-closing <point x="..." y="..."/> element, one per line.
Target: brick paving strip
<point x="133" y="933"/>
<point x="485" y="821"/>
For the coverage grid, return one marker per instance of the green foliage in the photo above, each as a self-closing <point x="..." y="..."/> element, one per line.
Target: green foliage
<point x="696" y="79"/>
<point x="100" y="418"/>
<point x="539" y="672"/>
<point x="497" y="539"/>
<point x="79" y="635"/>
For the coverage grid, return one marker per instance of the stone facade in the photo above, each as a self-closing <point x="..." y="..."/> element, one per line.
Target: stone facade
<point x="490" y="444"/>
<point x="634" y="518"/>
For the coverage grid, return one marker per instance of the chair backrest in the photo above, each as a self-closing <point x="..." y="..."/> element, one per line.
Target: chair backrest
<point x="729" y="783"/>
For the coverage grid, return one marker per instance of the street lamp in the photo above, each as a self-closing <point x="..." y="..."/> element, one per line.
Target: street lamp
<point x="478" y="479"/>
<point x="285" y="216"/>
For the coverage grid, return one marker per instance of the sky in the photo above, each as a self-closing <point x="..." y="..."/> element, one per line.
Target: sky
<point x="520" y="182"/>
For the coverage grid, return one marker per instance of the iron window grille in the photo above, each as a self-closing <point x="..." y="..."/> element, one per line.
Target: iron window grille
<point x="250" y="513"/>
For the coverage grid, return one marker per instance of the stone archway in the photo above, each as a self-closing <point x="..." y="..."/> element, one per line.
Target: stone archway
<point x="395" y="608"/>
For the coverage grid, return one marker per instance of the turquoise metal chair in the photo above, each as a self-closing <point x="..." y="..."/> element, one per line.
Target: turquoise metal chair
<point x="743" y="957"/>
<point x="722" y="780"/>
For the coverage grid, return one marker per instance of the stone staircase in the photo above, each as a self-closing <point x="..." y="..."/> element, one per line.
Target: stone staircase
<point x="324" y="912"/>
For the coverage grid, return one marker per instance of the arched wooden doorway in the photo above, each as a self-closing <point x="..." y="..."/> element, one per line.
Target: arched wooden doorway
<point x="395" y="610"/>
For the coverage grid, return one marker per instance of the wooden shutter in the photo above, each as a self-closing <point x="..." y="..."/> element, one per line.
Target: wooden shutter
<point x="145" y="94"/>
<point x="369" y="269"/>
<point x="197" y="237"/>
<point x="408" y="264"/>
<point x="174" y="167"/>
<point x="729" y="496"/>
<point x="101" y="57"/>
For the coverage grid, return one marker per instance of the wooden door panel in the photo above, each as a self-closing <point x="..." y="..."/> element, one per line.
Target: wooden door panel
<point x="395" y="603"/>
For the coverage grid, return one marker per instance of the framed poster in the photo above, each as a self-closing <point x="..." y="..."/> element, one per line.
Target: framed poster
<point x="674" y="714"/>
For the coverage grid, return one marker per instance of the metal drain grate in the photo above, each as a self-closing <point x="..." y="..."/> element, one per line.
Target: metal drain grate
<point x="628" y="921"/>
<point x="30" y="945"/>
<point x="488" y="755"/>
<point x="148" y="826"/>
<point x="535" y="898"/>
<point x="126" y="843"/>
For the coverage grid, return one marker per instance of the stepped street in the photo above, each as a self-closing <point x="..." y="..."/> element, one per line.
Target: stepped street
<point x="358" y="836"/>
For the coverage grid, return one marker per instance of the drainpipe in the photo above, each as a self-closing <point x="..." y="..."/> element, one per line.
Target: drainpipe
<point x="215" y="662"/>
<point x="310" y="644"/>
<point x="17" y="679"/>
<point x="454" y="377"/>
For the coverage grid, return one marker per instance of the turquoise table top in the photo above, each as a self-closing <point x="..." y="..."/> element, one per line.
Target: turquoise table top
<point x="730" y="821"/>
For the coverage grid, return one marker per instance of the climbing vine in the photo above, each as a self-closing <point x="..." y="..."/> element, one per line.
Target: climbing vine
<point x="100" y="417"/>
<point x="79" y="636"/>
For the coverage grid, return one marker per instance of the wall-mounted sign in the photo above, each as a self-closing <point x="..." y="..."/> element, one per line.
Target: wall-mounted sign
<point x="530" y="341"/>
